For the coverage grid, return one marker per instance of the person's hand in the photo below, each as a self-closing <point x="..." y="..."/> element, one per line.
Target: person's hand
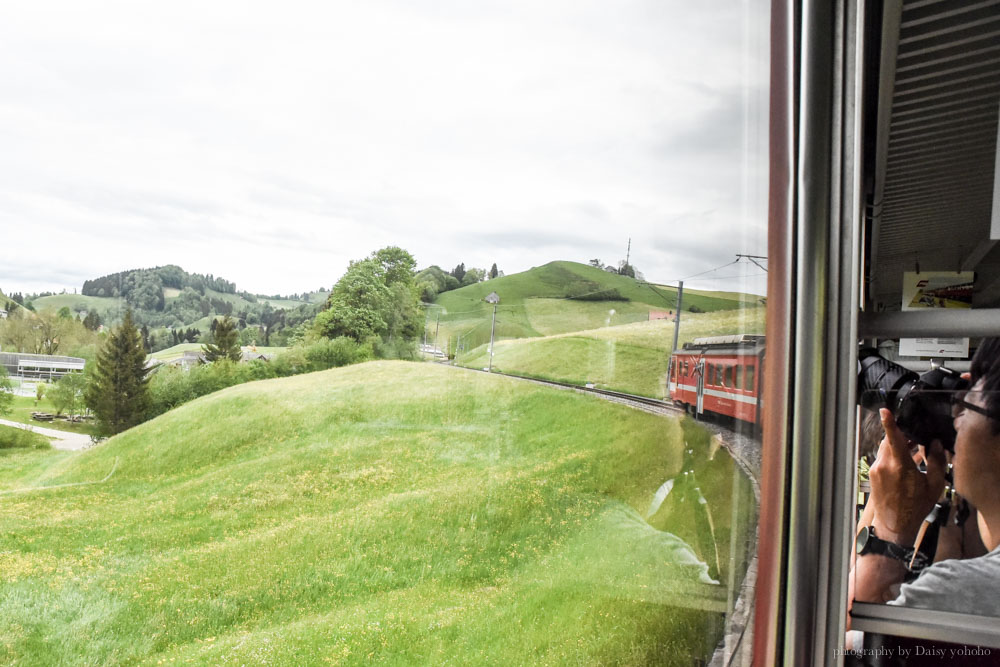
<point x="901" y="493"/>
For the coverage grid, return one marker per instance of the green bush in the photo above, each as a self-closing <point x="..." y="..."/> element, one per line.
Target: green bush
<point x="172" y="386"/>
<point x="12" y="437"/>
<point x="695" y="309"/>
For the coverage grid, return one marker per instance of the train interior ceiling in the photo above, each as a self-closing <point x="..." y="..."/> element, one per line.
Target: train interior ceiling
<point x="933" y="204"/>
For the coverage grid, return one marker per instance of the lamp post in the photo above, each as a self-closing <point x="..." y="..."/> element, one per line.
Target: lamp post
<point x="494" y="299"/>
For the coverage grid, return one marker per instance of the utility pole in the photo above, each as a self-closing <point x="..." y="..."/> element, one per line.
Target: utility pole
<point x="436" y="328"/>
<point x="677" y="316"/>
<point x="628" y="252"/>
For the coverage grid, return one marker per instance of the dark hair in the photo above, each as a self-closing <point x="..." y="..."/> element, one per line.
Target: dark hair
<point x="986" y="367"/>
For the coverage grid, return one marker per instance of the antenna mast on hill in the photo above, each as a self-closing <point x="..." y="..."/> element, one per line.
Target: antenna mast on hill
<point x="628" y="251"/>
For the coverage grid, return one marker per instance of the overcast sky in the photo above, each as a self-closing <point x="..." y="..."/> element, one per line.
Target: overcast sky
<point x="270" y="143"/>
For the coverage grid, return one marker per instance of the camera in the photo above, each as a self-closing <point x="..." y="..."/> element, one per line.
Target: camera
<point x="921" y="404"/>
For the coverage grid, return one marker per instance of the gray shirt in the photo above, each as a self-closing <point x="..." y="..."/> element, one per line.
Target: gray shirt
<point x="970" y="586"/>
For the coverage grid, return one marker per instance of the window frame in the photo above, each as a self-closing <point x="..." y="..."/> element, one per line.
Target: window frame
<point x="822" y="57"/>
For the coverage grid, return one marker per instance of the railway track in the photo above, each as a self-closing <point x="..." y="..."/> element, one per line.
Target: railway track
<point x="645" y="402"/>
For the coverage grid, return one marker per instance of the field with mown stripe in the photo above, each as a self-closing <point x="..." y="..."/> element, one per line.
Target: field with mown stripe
<point x="557" y="298"/>
<point x="389" y="511"/>
<point x="628" y="357"/>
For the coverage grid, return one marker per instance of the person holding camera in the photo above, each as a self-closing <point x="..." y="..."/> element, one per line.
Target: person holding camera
<point x="903" y="495"/>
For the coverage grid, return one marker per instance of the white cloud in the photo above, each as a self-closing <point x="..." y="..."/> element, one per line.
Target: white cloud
<point x="270" y="143"/>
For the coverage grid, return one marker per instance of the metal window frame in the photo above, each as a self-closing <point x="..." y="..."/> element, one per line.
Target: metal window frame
<point x="816" y="253"/>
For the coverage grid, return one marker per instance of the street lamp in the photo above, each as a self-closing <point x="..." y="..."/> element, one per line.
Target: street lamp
<point x="493" y="298"/>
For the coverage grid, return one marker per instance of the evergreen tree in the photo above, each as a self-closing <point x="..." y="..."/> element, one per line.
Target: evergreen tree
<point x="92" y="321"/>
<point x="118" y="391"/>
<point x="494" y="272"/>
<point x="227" y="342"/>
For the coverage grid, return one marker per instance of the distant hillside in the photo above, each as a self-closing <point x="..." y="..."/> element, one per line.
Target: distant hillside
<point x="560" y="297"/>
<point x="168" y="301"/>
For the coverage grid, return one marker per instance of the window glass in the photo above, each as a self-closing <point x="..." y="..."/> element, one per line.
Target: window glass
<point x="738" y="377"/>
<point x="749" y="386"/>
<point x="553" y="196"/>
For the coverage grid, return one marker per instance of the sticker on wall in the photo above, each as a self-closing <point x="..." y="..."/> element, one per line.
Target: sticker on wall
<point x="936" y="289"/>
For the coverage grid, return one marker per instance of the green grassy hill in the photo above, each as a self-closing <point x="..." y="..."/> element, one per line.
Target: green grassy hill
<point x="552" y="299"/>
<point x="102" y="304"/>
<point x="630" y="357"/>
<point x="394" y="512"/>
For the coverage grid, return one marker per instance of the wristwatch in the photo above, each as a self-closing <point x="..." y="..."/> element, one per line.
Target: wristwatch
<point x="869" y="543"/>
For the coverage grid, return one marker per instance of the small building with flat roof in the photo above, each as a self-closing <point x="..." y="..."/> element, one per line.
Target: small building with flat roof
<point x="40" y="366"/>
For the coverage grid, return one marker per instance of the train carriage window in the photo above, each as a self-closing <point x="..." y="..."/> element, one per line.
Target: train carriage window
<point x="738" y="377"/>
<point x="608" y="159"/>
<point x="749" y="386"/>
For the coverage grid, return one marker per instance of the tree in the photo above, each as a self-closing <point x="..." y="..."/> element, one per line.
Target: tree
<point x="596" y="263"/>
<point x="397" y="265"/>
<point x="6" y="392"/>
<point x="494" y="272"/>
<point x="377" y="296"/>
<point x="357" y="305"/>
<point x="118" y="391"/>
<point x="459" y="272"/>
<point x="92" y="321"/>
<point x="67" y="394"/>
<point x="473" y="276"/>
<point x="626" y="269"/>
<point x="227" y="342"/>
<point x="48" y="330"/>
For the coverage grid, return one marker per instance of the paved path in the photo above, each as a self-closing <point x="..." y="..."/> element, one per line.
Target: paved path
<point x="60" y="439"/>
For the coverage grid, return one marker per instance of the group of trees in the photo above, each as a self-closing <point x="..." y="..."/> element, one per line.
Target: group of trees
<point x="143" y="288"/>
<point x="46" y="333"/>
<point x="623" y="268"/>
<point x="375" y="299"/>
<point x="434" y="280"/>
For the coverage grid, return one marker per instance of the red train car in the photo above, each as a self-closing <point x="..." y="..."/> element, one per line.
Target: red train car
<point x="719" y="375"/>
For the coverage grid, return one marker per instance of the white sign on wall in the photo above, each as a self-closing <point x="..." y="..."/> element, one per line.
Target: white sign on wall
<point x="936" y="289"/>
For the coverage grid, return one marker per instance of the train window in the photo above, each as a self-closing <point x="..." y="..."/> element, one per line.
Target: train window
<point x="749" y="379"/>
<point x="738" y="377"/>
<point x="611" y="158"/>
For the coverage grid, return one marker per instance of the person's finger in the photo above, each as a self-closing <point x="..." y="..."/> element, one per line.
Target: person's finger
<point x="937" y="466"/>
<point x="899" y="444"/>
<point x="967" y="375"/>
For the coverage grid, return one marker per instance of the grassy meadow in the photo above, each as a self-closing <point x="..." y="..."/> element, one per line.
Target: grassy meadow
<point x="23" y="406"/>
<point x="387" y="512"/>
<point x="12" y="437"/>
<point x="546" y="300"/>
<point x="625" y="357"/>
